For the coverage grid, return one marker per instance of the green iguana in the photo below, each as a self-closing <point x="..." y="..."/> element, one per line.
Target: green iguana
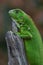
<point x="30" y="35"/>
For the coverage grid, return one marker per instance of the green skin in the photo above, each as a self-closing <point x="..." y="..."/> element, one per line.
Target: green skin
<point x="30" y="35"/>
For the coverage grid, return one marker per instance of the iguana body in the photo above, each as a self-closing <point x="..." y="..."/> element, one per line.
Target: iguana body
<point x="30" y="35"/>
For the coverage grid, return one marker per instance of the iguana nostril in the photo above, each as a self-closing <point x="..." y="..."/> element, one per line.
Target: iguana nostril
<point x="17" y="11"/>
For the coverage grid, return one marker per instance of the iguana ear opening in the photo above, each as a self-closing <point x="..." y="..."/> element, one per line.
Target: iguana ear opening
<point x="17" y="11"/>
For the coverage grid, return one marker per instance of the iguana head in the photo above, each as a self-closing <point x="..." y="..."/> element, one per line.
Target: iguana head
<point x="21" y="17"/>
<point x="18" y="15"/>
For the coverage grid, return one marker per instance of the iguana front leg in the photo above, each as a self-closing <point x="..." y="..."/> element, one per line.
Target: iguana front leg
<point x="25" y="35"/>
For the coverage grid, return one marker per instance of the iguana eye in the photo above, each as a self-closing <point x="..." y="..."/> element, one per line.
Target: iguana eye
<point x="16" y="11"/>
